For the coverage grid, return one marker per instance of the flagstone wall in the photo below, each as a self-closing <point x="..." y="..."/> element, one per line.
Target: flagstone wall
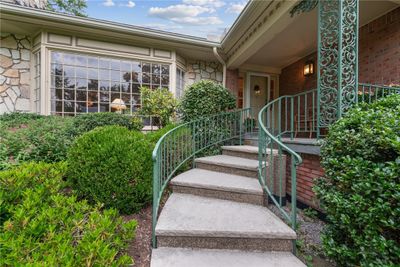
<point x="15" y="60"/>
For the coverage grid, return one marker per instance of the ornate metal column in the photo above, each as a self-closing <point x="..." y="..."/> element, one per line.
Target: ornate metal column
<point x="337" y="59"/>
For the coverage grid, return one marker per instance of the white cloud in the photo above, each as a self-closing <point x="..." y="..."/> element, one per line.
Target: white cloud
<point x="236" y="8"/>
<point x="177" y="11"/>
<point x="130" y="4"/>
<point x="198" y="20"/>
<point x="186" y="14"/>
<point x="212" y="3"/>
<point x="108" y="3"/>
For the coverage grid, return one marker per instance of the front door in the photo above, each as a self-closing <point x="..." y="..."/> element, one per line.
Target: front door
<point x="258" y="91"/>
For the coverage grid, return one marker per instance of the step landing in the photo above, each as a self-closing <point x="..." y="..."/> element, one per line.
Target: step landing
<point x="199" y="222"/>
<point x="181" y="257"/>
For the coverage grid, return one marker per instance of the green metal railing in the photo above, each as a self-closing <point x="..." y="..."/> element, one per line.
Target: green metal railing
<point x="368" y="93"/>
<point x="290" y="117"/>
<point x="178" y="148"/>
<point x="284" y="117"/>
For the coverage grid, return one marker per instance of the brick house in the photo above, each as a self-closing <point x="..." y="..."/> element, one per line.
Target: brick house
<point x="63" y="65"/>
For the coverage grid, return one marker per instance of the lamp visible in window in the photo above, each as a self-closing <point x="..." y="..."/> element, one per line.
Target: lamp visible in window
<point x="118" y="105"/>
<point x="257" y="89"/>
<point x="308" y="68"/>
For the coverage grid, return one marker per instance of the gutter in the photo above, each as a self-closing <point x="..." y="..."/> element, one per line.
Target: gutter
<point x="215" y="50"/>
<point x="44" y="15"/>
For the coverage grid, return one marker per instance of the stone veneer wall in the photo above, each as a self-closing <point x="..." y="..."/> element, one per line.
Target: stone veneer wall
<point x="201" y="70"/>
<point x="15" y="56"/>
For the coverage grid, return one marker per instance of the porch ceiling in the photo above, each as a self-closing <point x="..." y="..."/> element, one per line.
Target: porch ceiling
<point x="299" y="38"/>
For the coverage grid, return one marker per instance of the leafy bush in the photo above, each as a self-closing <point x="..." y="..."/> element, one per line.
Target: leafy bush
<point x="87" y="122"/>
<point x="42" y="225"/>
<point x="153" y="137"/>
<point x="205" y="98"/>
<point x="360" y="191"/>
<point x="112" y="165"/>
<point x="17" y="118"/>
<point x="41" y="139"/>
<point x="159" y="102"/>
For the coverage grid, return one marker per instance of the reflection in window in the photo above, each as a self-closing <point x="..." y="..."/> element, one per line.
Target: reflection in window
<point x="82" y="83"/>
<point x="36" y="89"/>
<point x="180" y="82"/>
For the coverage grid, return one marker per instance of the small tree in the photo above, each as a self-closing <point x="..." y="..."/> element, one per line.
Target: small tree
<point x="205" y="98"/>
<point x="72" y="7"/>
<point x="158" y="102"/>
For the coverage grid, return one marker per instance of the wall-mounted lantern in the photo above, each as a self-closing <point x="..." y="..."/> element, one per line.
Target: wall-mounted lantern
<point x="308" y="68"/>
<point x="257" y="89"/>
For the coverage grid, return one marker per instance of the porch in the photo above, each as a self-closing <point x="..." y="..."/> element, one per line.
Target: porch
<point x="286" y="66"/>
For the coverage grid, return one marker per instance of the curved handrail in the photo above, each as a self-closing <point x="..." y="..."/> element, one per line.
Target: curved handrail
<point x="272" y="161"/>
<point x="181" y="144"/>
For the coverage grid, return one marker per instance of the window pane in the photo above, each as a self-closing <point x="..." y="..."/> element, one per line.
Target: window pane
<point x="93" y="84"/>
<point x="135" y="88"/>
<point x="69" y="59"/>
<point x="146" y="78"/>
<point x="104" y="97"/>
<point x="81" y="96"/>
<point x="165" y="69"/>
<point x="93" y="74"/>
<point x="146" y="67"/>
<point x="104" y="63"/>
<point x="136" y="67"/>
<point x="93" y="62"/>
<point x="81" y="72"/>
<point x="81" y="84"/>
<point x="104" y="107"/>
<point x="156" y="69"/>
<point x="104" y="85"/>
<point x="164" y="79"/>
<point x="56" y="69"/>
<point x="92" y="97"/>
<point x="125" y="87"/>
<point x="126" y="76"/>
<point x="104" y="74"/>
<point x="81" y="61"/>
<point x="125" y="66"/>
<point x="69" y="94"/>
<point x="56" y="57"/>
<point x="115" y="64"/>
<point x="115" y="75"/>
<point x="69" y="71"/>
<point x="115" y="86"/>
<point x="69" y="82"/>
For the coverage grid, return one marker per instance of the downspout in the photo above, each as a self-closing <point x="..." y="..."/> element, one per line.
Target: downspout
<point x="223" y="65"/>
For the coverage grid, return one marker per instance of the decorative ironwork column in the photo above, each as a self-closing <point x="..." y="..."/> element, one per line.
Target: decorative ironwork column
<point x="337" y="59"/>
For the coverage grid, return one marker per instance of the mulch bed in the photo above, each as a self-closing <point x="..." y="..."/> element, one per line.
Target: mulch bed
<point x="140" y="248"/>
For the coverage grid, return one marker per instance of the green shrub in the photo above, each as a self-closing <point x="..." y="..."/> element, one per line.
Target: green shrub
<point x="361" y="188"/>
<point x="17" y="118"/>
<point x="87" y="122"/>
<point x="158" y="102"/>
<point x="43" y="139"/>
<point x="43" y="225"/>
<point x="153" y="137"/>
<point x="205" y="98"/>
<point x="112" y="165"/>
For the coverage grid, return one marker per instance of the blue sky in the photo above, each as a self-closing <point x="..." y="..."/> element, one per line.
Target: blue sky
<point x="193" y="17"/>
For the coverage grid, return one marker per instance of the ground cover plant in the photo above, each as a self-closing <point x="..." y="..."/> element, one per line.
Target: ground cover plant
<point x="42" y="223"/>
<point x="112" y="165"/>
<point x="361" y="188"/>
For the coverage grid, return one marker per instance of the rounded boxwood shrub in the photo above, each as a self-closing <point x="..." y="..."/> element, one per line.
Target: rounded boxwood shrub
<point x="43" y="224"/>
<point x="87" y="122"/>
<point x="205" y="98"/>
<point x="361" y="188"/>
<point x="112" y="165"/>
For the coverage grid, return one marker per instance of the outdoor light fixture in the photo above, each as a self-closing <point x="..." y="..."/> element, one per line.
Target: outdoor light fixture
<point x="257" y="89"/>
<point x="308" y="68"/>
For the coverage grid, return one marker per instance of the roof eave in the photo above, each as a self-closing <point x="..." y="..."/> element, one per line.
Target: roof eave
<point x="104" y="25"/>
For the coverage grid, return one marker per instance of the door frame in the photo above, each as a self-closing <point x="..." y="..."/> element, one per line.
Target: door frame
<point x="247" y="88"/>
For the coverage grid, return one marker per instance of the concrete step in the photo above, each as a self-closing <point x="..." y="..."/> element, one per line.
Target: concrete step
<point x="229" y="164"/>
<point x="181" y="257"/>
<point x="219" y="185"/>
<point x="190" y="221"/>
<point x="246" y="151"/>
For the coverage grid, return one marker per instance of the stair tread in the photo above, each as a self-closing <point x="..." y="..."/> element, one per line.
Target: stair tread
<point x="246" y="149"/>
<point x="230" y="161"/>
<point x="183" y="257"/>
<point x="200" y="178"/>
<point x="189" y="215"/>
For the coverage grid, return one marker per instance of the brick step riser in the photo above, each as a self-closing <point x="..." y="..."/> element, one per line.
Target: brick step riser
<point x="226" y="169"/>
<point x="220" y="194"/>
<point x="231" y="243"/>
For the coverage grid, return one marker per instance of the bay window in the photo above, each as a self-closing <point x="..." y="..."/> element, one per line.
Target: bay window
<point x="83" y="83"/>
